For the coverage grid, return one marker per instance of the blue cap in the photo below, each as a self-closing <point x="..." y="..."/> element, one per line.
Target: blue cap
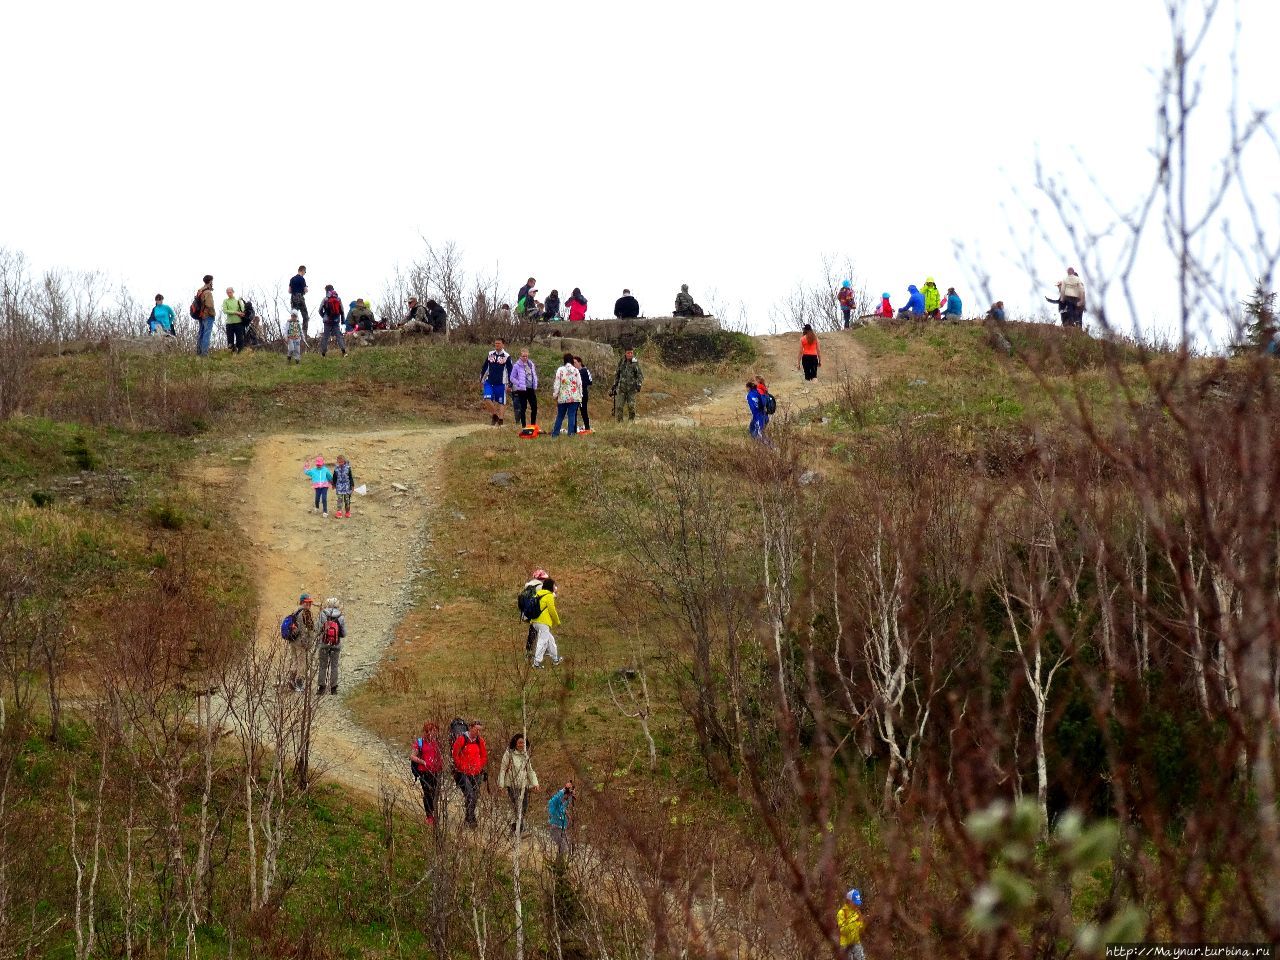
<point x="854" y="896"/>
<point x="884" y="296"/>
<point x="845" y="284"/>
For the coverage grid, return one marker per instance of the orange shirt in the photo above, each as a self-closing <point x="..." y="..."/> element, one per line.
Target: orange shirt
<point x="809" y="347"/>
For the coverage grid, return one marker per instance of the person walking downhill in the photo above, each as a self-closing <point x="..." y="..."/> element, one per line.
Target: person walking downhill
<point x="321" y="480"/>
<point x="332" y="313"/>
<point x="233" y="315"/>
<point x="577" y="306"/>
<point x="850" y="924"/>
<point x="516" y="776"/>
<point x="567" y="390"/>
<point x="344" y="482"/>
<point x="810" y="354"/>
<point x="547" y="618"/>
<point x="303" y="632"/>
<point x="558" y="808"/>
<point x="583" y="414"/>
<point x="298" y="296"/>
<point x="470" y="756"/>
<point x="427" y="764"/>
<point x="207" y="313"/>
<point x="495" y="374"/>
<point x="845" y="298"/>
<point x="333" y="629"/>
<point x="756" y="407"/>
<point x="627" y="382"/>
<point x="293" y="338"/>
<point x="524" y="390"/>
<point x="161" y="318"/>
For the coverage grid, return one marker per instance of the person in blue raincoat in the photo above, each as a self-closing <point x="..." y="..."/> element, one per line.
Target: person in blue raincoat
<point x="915" y="303"/>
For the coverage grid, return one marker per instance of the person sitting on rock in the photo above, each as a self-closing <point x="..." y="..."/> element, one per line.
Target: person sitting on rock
<point x="996" y="312"/>
<point x="685" y="307"/>
<point x="437" y="319"/>
<point x="360" y="317"/>
<point x="626" y="307"/>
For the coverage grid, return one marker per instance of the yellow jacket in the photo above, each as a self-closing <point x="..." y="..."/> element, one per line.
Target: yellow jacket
<point x="547" y="604"/>
<point x="849" y="920"/>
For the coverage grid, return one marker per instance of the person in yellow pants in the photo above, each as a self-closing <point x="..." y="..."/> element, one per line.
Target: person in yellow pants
<point x="850" y="922"/>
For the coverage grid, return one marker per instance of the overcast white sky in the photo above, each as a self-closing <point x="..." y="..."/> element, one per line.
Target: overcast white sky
<point x="599" y="145"/>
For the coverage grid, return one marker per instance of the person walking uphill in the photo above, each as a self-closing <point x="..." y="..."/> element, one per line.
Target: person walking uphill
<point x="495" y="374"/>
<point x="524" y="390"/>
<point x="321" y="480"/>
<point x="204" y="311"/>
<point x="850" y="924"/>
<point x="298" y="296"/>
<point x="470" y="756"/>
<point x="332" y="313"/>
<point x="627" y="382"/>
<point x="567" y="390"/>
<point x="810" y="354"/>
<point x="547" y="618"/>
<point x="558" y="819"/>
<point x="344" y="481"/>
<point x="516" y="776"/>
<point x="427" y="763"/>
<point x="333" y="630"/>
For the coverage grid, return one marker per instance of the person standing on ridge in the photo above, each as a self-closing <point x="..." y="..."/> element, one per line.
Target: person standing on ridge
<point x="845" y="298"/>
<point x="1071" y="299"/>
<point x="161" y="317"/>
<point x="849" y="922"/>
<point x="207" y="313"/>
<point x="524" y="390"/>
<point x="626" y="307"/>
<point x="566" y="388"/>
<point x="495" y="374"/>
<point x="470" y="756"/>
<point x="332" y="313"/>
<point x="810" y="354"/>
<point x="953" y="309"/>
<point x="427" y="764"/>
<point x="333" y="629"/>
<point x="932" y="298"/>
<point x="298" y="296"/>
<point x="886" y="308"/>
<point x="577" y="306"/>
<point x="233" y="315"/>
<point x="627" y="382"/>
<point x="517" y="777"/>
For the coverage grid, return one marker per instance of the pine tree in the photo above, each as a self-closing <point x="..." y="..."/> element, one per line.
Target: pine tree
<point x="1260" y="319"/>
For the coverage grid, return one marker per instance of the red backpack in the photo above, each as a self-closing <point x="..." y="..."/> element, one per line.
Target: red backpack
<point x="332" y="306"/>
<point x="332" y="633"/>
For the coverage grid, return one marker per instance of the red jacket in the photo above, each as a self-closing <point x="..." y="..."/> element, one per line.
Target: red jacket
<point x="470" y="756"/>
<point x="577" y="310"/>
<point x="426" y="756"/>
<point x="886" y="308"/>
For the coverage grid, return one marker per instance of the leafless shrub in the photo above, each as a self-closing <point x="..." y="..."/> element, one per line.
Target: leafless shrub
<point x="814" y="302"/>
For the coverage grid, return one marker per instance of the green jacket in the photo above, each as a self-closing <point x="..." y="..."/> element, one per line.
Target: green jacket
<point x="629" y="378"/>
<point x="932" y="298"/>
<point x="233" y="310"/>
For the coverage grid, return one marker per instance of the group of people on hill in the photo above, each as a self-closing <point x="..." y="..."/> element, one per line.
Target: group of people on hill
<point x="626" y="307"/>
<point x="500" y="375"/>
<point x="306" y="630"/>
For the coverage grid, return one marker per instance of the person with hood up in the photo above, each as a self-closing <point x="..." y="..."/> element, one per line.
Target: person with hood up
<point x="577" y="306"/>
<point x="427" y="764"/>
<point x="437" y="319"/>
<point x="932" y="298"/>
<point x="685" y="305"/>
<point x="551" y="307"/>
<point x="567" y="390"/>
<point x="850" y="923"/>
<point x="954" y="310"/>
<point x="626" y="307"/>
<point x="333" y="629"/>
<point x="886" y="308"/>
<point x="517" y="777"/>
<point x="547" y="618"/>
<point x="844" y="296"/>
<point x="915" y="303"/>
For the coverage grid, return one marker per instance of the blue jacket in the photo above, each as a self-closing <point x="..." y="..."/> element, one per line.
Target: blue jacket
<point x="344" y="481"/>
<point x="953" y="305"/>
<point x="755" y="403"/>
<point x="162" y="314"/>
<point x="496" y="369"/>
<point x="558" y="810"/>
<point x="915" y="303"/>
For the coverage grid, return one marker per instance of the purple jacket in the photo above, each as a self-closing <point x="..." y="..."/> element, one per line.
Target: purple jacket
<point x="524" y="375"/>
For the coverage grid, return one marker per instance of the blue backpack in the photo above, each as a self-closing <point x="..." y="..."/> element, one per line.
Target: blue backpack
<point x="289" y="627"/>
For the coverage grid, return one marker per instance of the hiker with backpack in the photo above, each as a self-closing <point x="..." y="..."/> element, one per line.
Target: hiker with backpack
<point x="527" y="604"/>
<point x="810" y="354"/>
<point x="517" y="777"/>
<point x="470" y="756"/>
<point x="204" y="312"/>
<point x="756" y="406"/>
<point x="233" y="315"/>
<point x="161" y="317"/>
<point x="426" y="764"/>
<point x="627" y="382"/>
<point x="332" y="313"/>
<point x="495" y="375"/>
<point x="344" y="482"/>
<point x="685" y="305"/>
<point x="321" y="480"/>
<point x="524" y="390"/>
<point x="558" y="809"/>
<point x="547" y="618"/>
<point x="566" y="389"/>
<point x="298" y="296"/>
<point x="300" y="630"/>
<point x="584" y="415"/>
<point x="844" y="297"/>
<point x="333" y="629"/>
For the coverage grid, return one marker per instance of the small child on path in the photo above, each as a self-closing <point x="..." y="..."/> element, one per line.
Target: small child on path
<point x="321" y="480"/>
<point x="344" y="481"/>
<point x="293" y="339"/>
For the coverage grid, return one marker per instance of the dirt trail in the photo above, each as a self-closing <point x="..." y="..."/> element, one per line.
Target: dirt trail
<point x="386" y="540"/>
<point x="725" y="406"/>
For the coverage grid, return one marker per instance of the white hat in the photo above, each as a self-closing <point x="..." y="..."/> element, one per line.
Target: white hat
<point x="331" y="601"/>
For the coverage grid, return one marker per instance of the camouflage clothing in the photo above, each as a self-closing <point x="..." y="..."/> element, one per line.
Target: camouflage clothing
<point x="626" y="384"/>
